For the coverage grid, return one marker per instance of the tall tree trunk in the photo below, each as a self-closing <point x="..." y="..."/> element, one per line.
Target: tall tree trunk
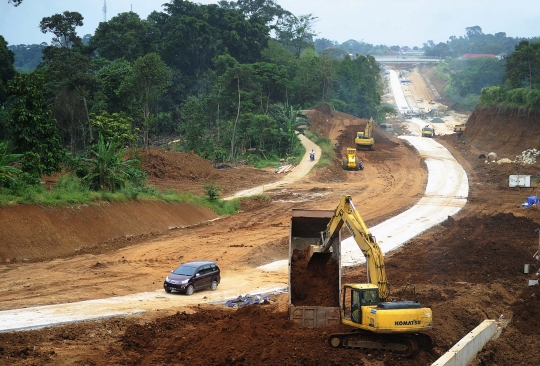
<point x="236" y="120"/>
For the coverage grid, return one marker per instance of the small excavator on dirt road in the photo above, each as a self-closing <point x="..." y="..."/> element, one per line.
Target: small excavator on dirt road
<point x="364" y="140"/>
<point x="379" y="322"/>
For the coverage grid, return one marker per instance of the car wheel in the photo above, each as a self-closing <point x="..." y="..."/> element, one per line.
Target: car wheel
<point x="168" y="289"/>
<point x="190" y="290"/>
<point x="213" y="287"/>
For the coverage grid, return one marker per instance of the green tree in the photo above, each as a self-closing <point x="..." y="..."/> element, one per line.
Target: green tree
<point x="7" y="70"/>
<point x="306" y="86"/>
<point x="9" y="174"/>
<point x="31" y="126"/>
<point x="125" y="36"/>
<point x="113" y="127"/>
<point x="63" y="27"/>
<point x="219" y="30"/>
<point x="475" y="75"/>
<point x="296" y="33"/>
<point x="192" y="119"/>
<point x="523" y="66"/>
<point x="110" y="95"/>
<point x="290" y="118"/>
<point x="68" y="67"/>
<point x="147" y="84"/>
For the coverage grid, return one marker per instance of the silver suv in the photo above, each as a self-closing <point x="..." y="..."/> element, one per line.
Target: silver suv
<point x="193" y="276"/>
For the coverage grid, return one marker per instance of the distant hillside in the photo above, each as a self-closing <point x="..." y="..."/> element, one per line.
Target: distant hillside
<point x="27" y="57"/>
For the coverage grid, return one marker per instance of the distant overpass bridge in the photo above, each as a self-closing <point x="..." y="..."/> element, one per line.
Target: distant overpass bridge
<point x="406" y="59"/>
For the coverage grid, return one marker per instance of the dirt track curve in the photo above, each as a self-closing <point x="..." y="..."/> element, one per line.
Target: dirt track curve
<point x="467" y="269"/>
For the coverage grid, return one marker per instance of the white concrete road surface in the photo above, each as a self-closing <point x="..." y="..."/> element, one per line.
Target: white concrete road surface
<point x="446" y="193"/>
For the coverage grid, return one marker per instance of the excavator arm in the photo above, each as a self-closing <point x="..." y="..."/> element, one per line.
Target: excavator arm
<point x="369" y="128"/>
<point x="347" y="214"/>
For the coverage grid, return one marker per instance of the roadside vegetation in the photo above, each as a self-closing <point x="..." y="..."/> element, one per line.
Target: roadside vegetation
<point x="522" y="80"/>
<point x="327" y="148"/>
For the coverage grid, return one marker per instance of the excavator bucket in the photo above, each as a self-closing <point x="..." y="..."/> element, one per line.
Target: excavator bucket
<point x="317" y="261"/>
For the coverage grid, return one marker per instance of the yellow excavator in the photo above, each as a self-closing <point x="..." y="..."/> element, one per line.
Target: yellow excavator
<point x="352" y="162"/>
<point x="364" y="140"/>
<point x="379" y="322"/>
<point x="459" y="128"/>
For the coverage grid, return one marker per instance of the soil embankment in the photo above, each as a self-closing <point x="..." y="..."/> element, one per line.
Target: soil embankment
<point x="504" y="130"/>
<point x="467" y="269"/>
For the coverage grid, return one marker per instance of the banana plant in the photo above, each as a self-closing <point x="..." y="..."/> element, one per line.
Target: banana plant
<point x="108" y="170"/>
<point x="9" y="174"/>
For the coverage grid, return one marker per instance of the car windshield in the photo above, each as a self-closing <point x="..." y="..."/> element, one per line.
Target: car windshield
<point x="185" y="270"/>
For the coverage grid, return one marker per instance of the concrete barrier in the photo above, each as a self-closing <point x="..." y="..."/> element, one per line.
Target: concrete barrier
<point x="468" y="347"/>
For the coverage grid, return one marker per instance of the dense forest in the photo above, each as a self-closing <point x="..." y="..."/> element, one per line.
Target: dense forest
<point x="220" y="80"/>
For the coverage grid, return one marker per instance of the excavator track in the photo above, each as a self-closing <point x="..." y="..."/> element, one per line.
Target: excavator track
<point x="405" y="344"/>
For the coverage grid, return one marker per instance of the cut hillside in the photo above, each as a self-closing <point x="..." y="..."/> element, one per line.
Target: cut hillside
<point x="467" y="269"/>
<point x="504" y="130"/>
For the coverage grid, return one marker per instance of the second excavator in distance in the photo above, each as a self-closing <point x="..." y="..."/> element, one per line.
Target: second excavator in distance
<point x="364" y="140"/>
<point x="378" y="321"/>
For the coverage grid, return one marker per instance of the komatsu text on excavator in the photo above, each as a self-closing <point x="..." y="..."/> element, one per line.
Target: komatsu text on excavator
<point x="380" y="323"/>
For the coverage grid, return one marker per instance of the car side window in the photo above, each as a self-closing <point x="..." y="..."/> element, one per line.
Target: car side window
<point x="204" y="270"/>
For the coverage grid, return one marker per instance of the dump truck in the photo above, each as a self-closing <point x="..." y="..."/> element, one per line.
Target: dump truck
<point x="428" y="131"/>
<point x="307" y="308"/>
<point x="352" y="162"/>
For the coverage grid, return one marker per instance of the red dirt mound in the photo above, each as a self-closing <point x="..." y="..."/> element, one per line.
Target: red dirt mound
<point x="164" y="164"/>
<point x="188" y="172"/>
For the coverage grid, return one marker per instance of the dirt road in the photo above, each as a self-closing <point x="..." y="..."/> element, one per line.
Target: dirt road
<point x="467" y="269"/>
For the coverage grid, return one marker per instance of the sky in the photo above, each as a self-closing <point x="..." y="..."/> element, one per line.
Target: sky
<point x="389" y="22"/>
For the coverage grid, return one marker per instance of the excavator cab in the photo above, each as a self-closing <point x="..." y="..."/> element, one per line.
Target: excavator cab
<point x="356" y="299"/>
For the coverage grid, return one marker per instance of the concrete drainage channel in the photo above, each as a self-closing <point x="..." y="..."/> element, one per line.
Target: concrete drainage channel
<point x="468" y="347"/>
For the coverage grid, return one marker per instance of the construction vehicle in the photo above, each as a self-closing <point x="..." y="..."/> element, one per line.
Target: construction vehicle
<point x="379" y="323"/>
<point x="443" y="110"/>
<point x="459" y="128"/>
<point x="352" y="162"/>
<point x="364" y="140"/>
<point x="428" y="131"/>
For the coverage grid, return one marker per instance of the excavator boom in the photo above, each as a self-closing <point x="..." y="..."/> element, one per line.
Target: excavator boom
<point x="347" y="214"/>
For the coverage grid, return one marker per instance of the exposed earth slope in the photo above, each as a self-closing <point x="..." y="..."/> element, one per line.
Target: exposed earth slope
<point x="467" y="269"/>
